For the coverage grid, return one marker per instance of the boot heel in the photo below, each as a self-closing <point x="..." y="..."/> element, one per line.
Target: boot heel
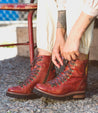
<point x="79" y="96"/>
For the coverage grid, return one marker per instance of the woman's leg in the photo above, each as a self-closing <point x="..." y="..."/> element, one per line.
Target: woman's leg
<point x="46" y="25"/>
<point x="71" y="82"/>
<point x="42" y="69"/>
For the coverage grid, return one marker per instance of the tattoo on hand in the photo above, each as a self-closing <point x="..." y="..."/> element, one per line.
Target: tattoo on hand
<point x="61" y="19"/>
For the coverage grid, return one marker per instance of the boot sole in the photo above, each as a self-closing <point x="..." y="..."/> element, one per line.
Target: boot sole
<point x="22" y="96"/>
<point x="73" y="95"/>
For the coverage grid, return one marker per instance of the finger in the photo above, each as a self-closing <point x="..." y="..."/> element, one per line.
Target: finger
<point x="59" y="58"/>
<point x="73" y="56"/>
<point x="55" y="61"/>
<point x="68" y="57"/>
<point x="64" y="55"/>
<point x="77" y="53"/>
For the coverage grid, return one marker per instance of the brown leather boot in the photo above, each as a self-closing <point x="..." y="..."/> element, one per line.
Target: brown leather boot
<point x="42" y="71"/>
<point x="69" y="83"/>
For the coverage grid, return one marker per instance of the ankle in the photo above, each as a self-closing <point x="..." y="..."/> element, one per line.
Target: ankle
<point x="83" y="56"/>
<point x="43" y="52"/>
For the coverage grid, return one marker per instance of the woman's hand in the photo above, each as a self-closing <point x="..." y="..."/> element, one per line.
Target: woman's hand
<point x="71" y="49"/>
<point x="58" y="47"/>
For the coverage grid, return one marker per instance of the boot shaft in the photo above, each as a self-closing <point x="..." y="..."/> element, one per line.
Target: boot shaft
<point x="78" y="74"/>
<point x="77" y="68"/>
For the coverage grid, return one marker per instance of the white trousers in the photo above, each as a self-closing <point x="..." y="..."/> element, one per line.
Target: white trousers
<point x="47" y="15"/>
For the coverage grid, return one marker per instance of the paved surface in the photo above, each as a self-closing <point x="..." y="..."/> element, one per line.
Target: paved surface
<point x="15" y="70"/>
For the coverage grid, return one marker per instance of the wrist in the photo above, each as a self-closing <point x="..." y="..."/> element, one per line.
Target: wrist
<point x="60" y="31"/>
<point x="81" y="25"/>
<point x="75" y="34"/>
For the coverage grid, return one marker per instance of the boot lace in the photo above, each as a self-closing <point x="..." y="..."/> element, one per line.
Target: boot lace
<point x="34" y="71"/>
<point x="63" y="76"/>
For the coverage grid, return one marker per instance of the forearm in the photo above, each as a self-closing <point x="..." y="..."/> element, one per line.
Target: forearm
<point x="61" y="23"/>
<point x="81" y="25"/>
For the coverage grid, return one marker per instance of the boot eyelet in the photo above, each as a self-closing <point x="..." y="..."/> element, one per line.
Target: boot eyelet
<point x="62" y="81"/>
<point x="75" y="64"/>
<point x="72" y="70"/>
<point x="59" y="84"/>
<point x="38" y="70"/>
<point x="52" y="85"/>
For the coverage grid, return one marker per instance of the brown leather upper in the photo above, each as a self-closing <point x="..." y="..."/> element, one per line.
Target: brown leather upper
<point x="42" y="71"/>
<point x="72" y="79"/>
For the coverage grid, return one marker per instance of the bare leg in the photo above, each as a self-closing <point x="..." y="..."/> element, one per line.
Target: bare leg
<point x="43" y="52"/>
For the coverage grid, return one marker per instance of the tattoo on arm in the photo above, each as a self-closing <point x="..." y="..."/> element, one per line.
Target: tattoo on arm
<point x="61" y="19"/>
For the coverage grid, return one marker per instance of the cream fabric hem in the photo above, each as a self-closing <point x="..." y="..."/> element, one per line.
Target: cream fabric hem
<point x="47" y="15"/>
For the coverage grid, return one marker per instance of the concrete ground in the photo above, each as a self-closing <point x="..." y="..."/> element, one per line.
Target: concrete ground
<point x="15" y="70"/>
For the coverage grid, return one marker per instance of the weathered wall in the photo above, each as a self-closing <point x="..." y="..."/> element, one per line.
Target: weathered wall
<point x="22" y="34"/>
